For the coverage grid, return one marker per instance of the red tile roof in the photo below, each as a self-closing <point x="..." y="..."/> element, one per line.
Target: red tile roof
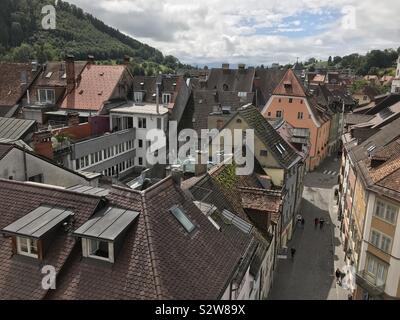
<point x="290" y="86"/>
<point x="96" y="86"/>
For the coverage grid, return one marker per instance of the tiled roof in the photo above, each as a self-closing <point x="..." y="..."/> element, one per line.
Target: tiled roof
<point x="159" y="259"/>
<point x="260" y="199"/>
<point x="54" y="74"/>
<point x="203" y="102"/>
<point x="147" y="84"/>
<point x="4" y="149"/>
<point x="10" y="83"/>
<point x="290" y="86"/>
<point x="20" y="279"/>
<point x="267" y="80"/>
<point x="238" y="80"/>
<point x="96" y="86"/>
<point x="356" y="118"/>
<point x="268" y="135"/>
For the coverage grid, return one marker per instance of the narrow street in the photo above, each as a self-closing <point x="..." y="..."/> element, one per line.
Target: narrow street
<point x="310" y="275"/>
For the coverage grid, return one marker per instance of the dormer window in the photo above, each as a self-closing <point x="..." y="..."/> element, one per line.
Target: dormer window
<point x="166" y="98"/>
<point x="103" y="234"/>
<point x="27" y="247"/>
<point x="31" y="233"/>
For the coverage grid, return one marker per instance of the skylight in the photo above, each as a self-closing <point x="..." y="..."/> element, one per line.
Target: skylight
<point x="183" y="219"/>
<point x="279" y="149"/>
<point x="236" y="221"/>
<point x="48" y="75"/>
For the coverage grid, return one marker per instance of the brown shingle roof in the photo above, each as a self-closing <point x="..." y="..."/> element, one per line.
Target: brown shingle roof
<point x="290" y="86"/>
<point x="238" y="80"/>
<point x="57" y="74"/>
<point x="159" y="259"/>
<point x="10" y="84"/>
<point x="20" y="279"/>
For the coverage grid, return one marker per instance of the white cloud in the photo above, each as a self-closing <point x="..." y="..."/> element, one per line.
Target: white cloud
<point x="253" y="31"/>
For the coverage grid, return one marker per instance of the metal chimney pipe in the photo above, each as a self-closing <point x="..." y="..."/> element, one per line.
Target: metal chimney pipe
<point x="157" y="98"/>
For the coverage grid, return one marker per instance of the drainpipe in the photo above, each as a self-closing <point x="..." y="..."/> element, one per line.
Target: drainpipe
<point x="25" y="165"/>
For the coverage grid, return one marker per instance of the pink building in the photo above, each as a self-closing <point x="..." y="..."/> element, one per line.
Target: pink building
<point x="291" y="102"/>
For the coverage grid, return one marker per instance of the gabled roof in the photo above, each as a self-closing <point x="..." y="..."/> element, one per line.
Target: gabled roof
<point x="10" y="83"/>
<point x="96" y="87"/>
<point x="266" y="81"/>
<point x="238" y="80"/>
<point x="54" y="74"/>
<point x="286" y="156"/>
<point x="290" y="85"/>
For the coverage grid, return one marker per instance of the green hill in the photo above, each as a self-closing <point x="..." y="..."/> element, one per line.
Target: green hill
<point x="22" y="37"/>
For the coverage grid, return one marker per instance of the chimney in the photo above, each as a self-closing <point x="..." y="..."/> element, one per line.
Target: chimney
<point x="42" y="143"/>
<point x="176" y="175"/>
<point x="199" y="167"/>
<point x="127" y="59"/>
<point x="90" y="59"/>
<point x="70" y="66"/>
<point x="72" y="118"/>
<point x="225" y="66"/>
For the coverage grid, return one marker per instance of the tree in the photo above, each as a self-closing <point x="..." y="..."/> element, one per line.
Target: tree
<point x="337" y="60"/>
<point x="17" y="35"/>
<point x="329" y="61"/>
<point x="23" y="53"/>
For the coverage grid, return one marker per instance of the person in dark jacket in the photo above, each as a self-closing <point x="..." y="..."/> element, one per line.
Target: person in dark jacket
<point x="338" y="274"/>
<point x="321" y="222"/>
<point x="292" y="252"/>
<point x="316" y="223"/>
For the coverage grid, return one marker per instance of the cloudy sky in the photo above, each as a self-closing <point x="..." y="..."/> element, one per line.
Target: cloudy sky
<point x="253" y="31"/>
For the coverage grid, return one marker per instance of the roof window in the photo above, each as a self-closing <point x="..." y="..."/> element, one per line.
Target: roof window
<point x="182" y="218"/>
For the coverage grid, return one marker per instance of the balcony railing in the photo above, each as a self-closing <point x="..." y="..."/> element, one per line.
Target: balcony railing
<point x="374" y="286"/>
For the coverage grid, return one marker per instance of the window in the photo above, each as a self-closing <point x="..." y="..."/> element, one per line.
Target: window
<point x="138" y="96"/>
<point x="46" y="96"/>
<point x="269" y="114"/>
<point x="279" y="114"/>
<point x="142" y="123"/>
<point x="299" y="115"/>
<point x="27" y="247"/>
<point x="166" y="98"/>
<point x="128" y="122"/>
<point x="386" y="211"/>
<point x="36" y="178"/>
<point x="263" y="153"/>
<point x="182" y="218"/>
<point x="77" y="164"/>
<point x="159" y="123"/>
<point x="99" y="249"/>
<point x="290" y="100"/>
<point x="140" y="160"/>
<point x="381" y="241"/>
<point x="376" y="269"/>
<point x="140" y="142"/>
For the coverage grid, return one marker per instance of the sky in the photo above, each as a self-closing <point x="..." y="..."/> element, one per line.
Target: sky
<point x="254" y="32"/>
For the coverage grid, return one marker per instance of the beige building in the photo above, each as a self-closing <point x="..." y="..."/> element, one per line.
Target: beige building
<point x="369" y="206"/>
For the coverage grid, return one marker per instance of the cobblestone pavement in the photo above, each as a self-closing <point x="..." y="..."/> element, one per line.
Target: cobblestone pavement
<point x="310" y="275"/>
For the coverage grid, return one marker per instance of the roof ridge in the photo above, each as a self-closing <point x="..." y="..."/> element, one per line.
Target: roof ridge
<point x="153" y="259"/>
<point x="48" y="187"/>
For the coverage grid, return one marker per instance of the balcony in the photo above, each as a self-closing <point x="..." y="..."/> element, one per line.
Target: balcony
<point x="374" y="286"/>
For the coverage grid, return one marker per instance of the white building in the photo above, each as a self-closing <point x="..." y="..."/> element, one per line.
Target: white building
<point x="23" y="165"/>
<point x="142" y="117"/>
<point x="396" y="80"/>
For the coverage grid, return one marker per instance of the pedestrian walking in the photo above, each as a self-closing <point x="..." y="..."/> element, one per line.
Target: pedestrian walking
<point x="350" y="297"/>
<point x="321" y="222"/>
<point x="316" y="223"/>
<point x="303" y="221"/>
<point x="338" y="275"/>
<point x="292" y="252"/>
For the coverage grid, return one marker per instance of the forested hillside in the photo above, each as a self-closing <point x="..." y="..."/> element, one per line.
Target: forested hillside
<point x="22" y="37"/>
